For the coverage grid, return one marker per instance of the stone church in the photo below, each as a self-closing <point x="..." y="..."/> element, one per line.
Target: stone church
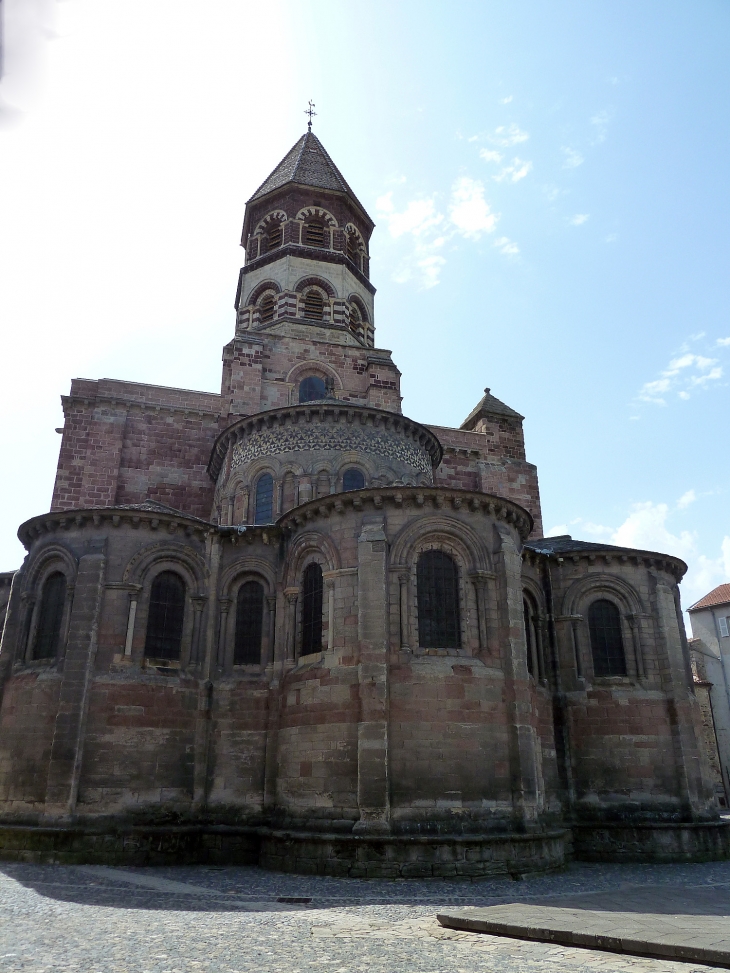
<point x="287" y="624"/>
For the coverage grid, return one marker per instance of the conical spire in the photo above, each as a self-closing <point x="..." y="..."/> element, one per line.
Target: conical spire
<point x="309" y="164"/>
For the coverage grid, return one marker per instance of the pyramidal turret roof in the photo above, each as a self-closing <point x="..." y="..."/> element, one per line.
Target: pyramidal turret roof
<point x="488" y="406"/>
<point x="309" y="164"/>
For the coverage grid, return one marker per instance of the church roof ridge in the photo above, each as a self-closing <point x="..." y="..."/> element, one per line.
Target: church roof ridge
<point x="318" y="170"/>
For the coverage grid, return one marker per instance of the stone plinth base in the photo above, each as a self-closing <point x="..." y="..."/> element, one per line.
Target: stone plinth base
<point x="691" y="842"/>
<point x="412" y="856"/>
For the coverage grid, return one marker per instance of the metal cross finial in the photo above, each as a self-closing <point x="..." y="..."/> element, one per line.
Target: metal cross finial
<point x="311" y="112"/>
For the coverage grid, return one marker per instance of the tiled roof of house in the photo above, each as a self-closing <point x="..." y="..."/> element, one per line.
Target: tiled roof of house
<point x="488" y="406"/>
<point x="309" y="164"/>
<point x="718" y="596"/>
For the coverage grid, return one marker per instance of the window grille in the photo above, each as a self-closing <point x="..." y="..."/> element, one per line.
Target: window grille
<point x="249" y="624"/>
<point x="437" y="580"/>
<point x="529" y="636"/>
<point x="51" y="616"/>
<point x="165" y="618"/>
<point x="607" y="644"/>
<point x="353" y="480"/>
<point x="312" y="590"/>
<point x="313" y="305"/>
<point x="314" y="234"/>
<point x="268" y="306"/>
<point x="274" y="237"/>
<point x="264" y="499"/>
<point x="311" y="389"/>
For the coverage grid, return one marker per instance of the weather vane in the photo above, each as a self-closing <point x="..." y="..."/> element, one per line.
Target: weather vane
<point x="311" y="112"/>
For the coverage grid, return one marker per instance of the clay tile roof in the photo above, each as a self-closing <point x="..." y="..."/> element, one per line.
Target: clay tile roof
<point x="718" y="596"/>
<point x="309" y="164"/>
<point x="488" y="406"/>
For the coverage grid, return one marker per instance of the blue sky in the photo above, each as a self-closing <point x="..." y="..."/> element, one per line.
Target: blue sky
<point x="549" y="183"/>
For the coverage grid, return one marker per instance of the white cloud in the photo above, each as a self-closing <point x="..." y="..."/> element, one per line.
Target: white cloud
<point x="646" y="528"/>
<point x="686" y="499"/>
<point x="507" y="246"/>
<point x="723" y="342"/>
<point x="579" y="219"/>
<point x="514" y="172"/>
<point x="419" y="215"/>
<point x="612" y="238"/>
<point x="573" y="158"/>
<point x="507" y="135"/>
<point x="600" y="123"/>
<point x="688" y="371"/>
<point x="507" y="100"/>
<point x="490" y="155"/>
<point x="469" y="211"/>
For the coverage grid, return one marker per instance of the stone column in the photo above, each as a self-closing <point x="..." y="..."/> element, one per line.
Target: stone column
<point x="67" y="747"/>
<point x="527" y="784"/>
<point x="329" y="584"/>
<point x="479" y="580"/>
<point x="403" y="579"/>
<point x="132" y="615"/>
<point x="198" y="606"/>
<point x="291" y="595"/>
<point x="224" y="605"/>
<point x="373" y="791"/>
<point x="205" y="686"/>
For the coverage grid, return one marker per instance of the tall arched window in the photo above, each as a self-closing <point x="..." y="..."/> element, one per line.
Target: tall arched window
<point x="50" y="616"/>
<point x="264" y="513"/>
<point x="274" y="237"/>
<point x="313" y="306"/>
<point x="312" y="588"/>
<point x="607" y="644"/>
<point x="530" y="635"/>
<point x="165" y="619"/>
<point x="314" y="234"/>
<point x="437" y="579"/>
<point x="355" y="320"/>
<point x="312" y="388"/>
<point x="268" y="307"/>
<point x="353" y="248"/>
<point x="249" y="623"/>
<point x="353" y="479"/>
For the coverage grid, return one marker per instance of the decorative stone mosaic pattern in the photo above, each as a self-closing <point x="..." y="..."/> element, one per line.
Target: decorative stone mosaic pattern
<point x="299" y="437"/>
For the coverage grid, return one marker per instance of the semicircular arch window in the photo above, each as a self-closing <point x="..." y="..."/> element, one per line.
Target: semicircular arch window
<point x="312" y="596"/>
<point x="607" y="644"/>
<point x="353" y="479"/>
<point x="249" y="624"/>
<point x="51" y="616"/>
<point x="312" y="388"/>
<point x="437" y="588"/>
<point x="264" y="511"/>
<point x="165" y="618"/>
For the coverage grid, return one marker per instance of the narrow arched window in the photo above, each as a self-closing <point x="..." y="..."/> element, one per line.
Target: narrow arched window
<point x="529" y="637"/>
<point x="313" y="305"/>
<point x="50" y="616"/>
<point x="312" y="587"/>
<point x="437" y="582"/>
<point x="249" y="624"/>
<point x="264" y="513"/>
<point x="353" y="479"/>
<point x="165" y="618"/>
<point x="274" y="237"/>
<point x="353" y="248"/>
<point x="268" y="307"/>
<point x="607" y="644"/>
<point x="312" y="388"/>
<point x="314" y="234"/>
<point x="355" y="321"/>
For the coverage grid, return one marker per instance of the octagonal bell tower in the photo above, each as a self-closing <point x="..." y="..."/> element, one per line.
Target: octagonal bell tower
<point x="305" y="303"/>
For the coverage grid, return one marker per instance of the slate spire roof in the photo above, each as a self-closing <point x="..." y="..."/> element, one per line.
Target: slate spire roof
<point x="489" y="405"/>
<point x="309" y="164"/>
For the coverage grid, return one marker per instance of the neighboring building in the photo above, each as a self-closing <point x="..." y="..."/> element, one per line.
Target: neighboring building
<point x="287" y="624"/>
<point x="710" y="649"/>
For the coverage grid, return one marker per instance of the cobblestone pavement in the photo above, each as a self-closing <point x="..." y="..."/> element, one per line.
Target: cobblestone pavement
<point x="223" y="920"/>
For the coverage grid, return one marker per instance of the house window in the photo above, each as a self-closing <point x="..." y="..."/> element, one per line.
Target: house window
<point x="264" y="499"/>
<point x="314" y="234"/>
<point x="311" y="389"/>
<point x="723" y="627"/>
<point x="353" y="480"/>
<point x="313" y="306"/>
<point x="312" y="587"/>
<point x="165" y="619"/>
<point x="268" y="307"/>
<point x="50" y="617"/>
<point x="607" y="644"/>
<point x="249" y="624"/>
<point x="437" y="583"/>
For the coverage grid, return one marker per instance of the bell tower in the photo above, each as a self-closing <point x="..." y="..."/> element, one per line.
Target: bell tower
<point x="304" y="303"/>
